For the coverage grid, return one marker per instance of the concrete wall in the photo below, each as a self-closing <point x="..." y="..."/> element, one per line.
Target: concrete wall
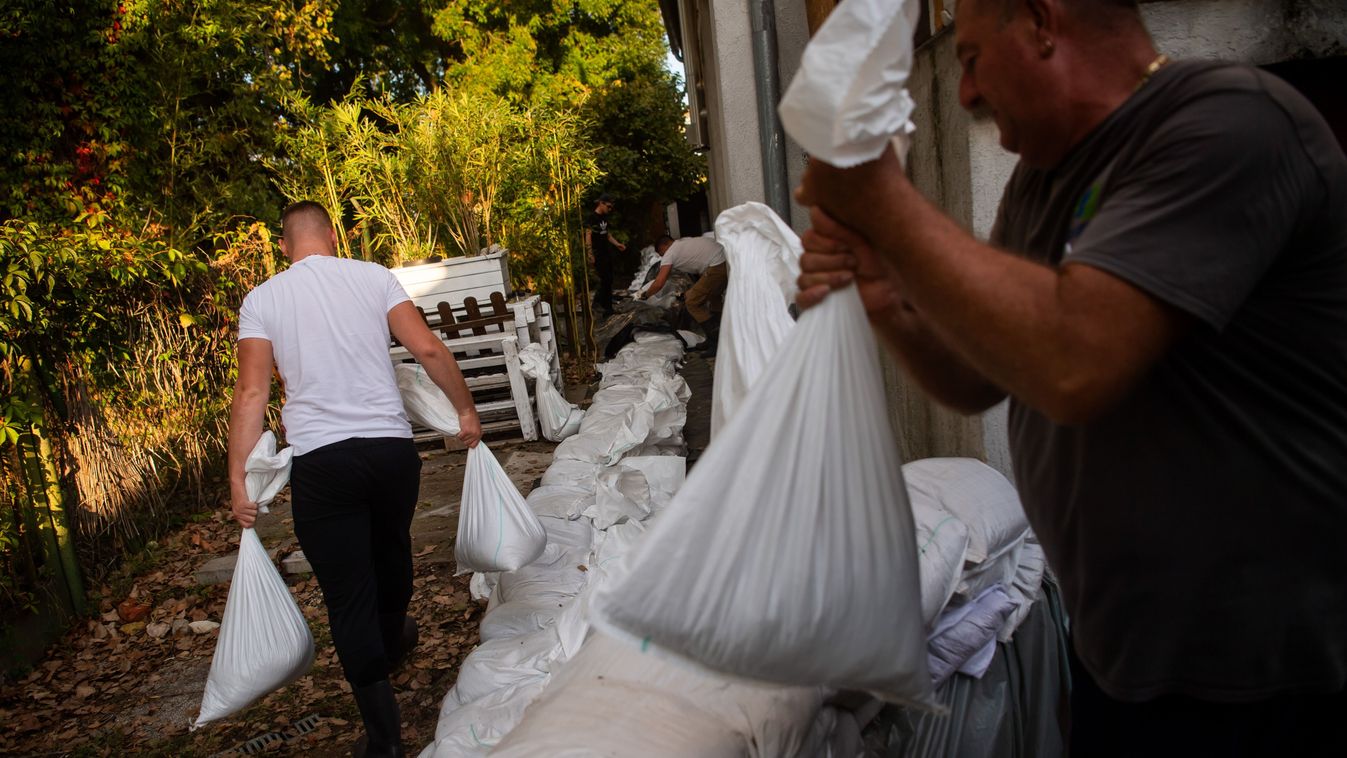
<point x="734" y="164"/>
<point x="735" y="156"/>
<point x="1251" y="31"/>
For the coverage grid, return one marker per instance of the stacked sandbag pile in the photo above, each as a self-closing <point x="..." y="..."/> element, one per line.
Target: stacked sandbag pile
<point x="606" y="482"/>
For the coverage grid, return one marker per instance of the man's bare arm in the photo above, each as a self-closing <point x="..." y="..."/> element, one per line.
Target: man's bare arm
<point x="658" y="284"/>
<point x="835" y="257"/>
<point x="410" y="329"/>
<point x="1068" y="341"/>
<point x="246" y="416"/>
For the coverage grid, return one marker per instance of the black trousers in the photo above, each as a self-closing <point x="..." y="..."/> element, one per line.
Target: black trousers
<point x="1173" y="725"/>
<point x="603" y="296"/>
<point x="352" y="503"/>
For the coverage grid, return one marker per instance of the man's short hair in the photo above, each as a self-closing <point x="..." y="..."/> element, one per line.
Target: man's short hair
<point x="663" y="240"/>
<point x="304" y="217"/>
<point x="605" y="198"/>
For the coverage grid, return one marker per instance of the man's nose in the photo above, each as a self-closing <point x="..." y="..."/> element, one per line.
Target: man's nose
<point x="969" y="97"/>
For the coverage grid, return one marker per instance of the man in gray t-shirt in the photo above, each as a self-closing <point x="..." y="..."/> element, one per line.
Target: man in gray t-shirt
<point x="1172" y="332"/>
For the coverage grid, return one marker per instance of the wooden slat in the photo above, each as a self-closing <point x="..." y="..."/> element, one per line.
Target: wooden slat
<point x="446" y="321"/>
<point x="453" y="267"/>
<point x="474" y="314"/>
<point x="485" y="279"/>
<point x="519" y="390"/>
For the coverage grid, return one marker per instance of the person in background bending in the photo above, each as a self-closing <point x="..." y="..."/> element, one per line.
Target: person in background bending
<point x="705" y="258"/>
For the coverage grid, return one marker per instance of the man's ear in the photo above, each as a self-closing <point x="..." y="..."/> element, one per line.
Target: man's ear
<point x="332" y="237"/>
<point x="285" y="248"/>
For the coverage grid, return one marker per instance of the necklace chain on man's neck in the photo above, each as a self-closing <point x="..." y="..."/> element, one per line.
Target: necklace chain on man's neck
<point x="1155" y="65"/>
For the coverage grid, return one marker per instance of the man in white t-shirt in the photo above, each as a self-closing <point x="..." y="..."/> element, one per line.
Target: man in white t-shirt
<point x="704" y="258"/>
<point x="324" y="323"/>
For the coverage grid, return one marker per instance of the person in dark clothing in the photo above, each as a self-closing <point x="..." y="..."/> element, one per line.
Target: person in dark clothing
<point x="602" y="247"/>
<point x="1164" y="300"/>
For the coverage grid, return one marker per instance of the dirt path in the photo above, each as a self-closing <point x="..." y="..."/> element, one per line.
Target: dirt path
<point x="130" y="682"/>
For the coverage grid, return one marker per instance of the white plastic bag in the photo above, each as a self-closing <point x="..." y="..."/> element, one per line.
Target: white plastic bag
<point x="849" y="97"/>
<point x="764" y="257"/>
<point x="264" y="641"/>
<point x="426" y="404"/>
<point x="558" y="418"/>
<point x="496" y="529"/>
<point x="789" y="554"/>
<point x="267" y="470"/>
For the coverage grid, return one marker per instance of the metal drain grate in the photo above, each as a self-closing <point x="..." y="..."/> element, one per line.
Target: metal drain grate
<point x="270" y="740"/>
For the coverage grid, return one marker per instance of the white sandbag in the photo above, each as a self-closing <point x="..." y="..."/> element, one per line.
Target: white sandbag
<point x="649" y="257"/>
<point x="425" y="403"/>
<point x="999" y="570"/>
<point x="483" y="584"/>
<point x="557" y="418"/>
<point x="690" y="339"/>
<point x="472" y="730"/>
<point x="942" y="543"/>
<point x="570" y="473"/>
<point x="978" y="494"/>
<point x="611" y="700"/>
<point x="664" y="474"/>
<point x="764" y="257"/>
<point x="560" y="501"/>
<point x="609" y="438"/>
<point x="622" y="495"/>
<point x="266" y="470"/>
<point x="770" y="561"/>
<point x="516" y="620"/>
<point x="614" y="545"/>
<point x="496" y="529"/>
<point x="667" y="397"/>
<point x="572" y="535"/>
<point x="849" y="97"/>
<point x="504" y="663"/>
<point x="264" y="641"/>
<point x="557" y="573"/>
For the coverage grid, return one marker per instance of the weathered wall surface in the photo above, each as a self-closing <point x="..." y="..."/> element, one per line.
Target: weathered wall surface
<point x="1250" y="31"/>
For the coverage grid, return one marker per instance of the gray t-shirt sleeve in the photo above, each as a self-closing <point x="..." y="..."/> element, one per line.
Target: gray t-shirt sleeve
<point x="1205" y="207"/>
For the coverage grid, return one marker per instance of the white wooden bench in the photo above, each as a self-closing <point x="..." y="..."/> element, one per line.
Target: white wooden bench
<point x="463" y="300"/>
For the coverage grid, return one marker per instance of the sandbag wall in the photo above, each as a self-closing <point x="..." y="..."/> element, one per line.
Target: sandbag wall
<point x="980" y="571"/>
<point x="604" y="484"/>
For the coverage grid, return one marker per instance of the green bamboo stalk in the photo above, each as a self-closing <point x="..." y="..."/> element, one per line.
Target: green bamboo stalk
<point x="53" y="522"/>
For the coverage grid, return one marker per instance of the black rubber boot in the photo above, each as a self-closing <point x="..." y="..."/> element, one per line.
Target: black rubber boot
<point x="712" y="329"/>
<point x="400" y="635"/>
<point x="383" y="721"/>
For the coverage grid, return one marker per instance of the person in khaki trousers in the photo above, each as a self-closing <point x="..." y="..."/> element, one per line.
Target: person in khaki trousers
<point x="704" y="257"/>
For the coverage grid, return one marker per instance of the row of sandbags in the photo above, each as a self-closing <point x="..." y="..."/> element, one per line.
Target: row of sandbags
<point x="604" y="486"/>
<point x="612" y="698"/>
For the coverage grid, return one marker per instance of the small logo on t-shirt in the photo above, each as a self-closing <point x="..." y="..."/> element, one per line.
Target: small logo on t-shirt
<point x="1085" y="209"/>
